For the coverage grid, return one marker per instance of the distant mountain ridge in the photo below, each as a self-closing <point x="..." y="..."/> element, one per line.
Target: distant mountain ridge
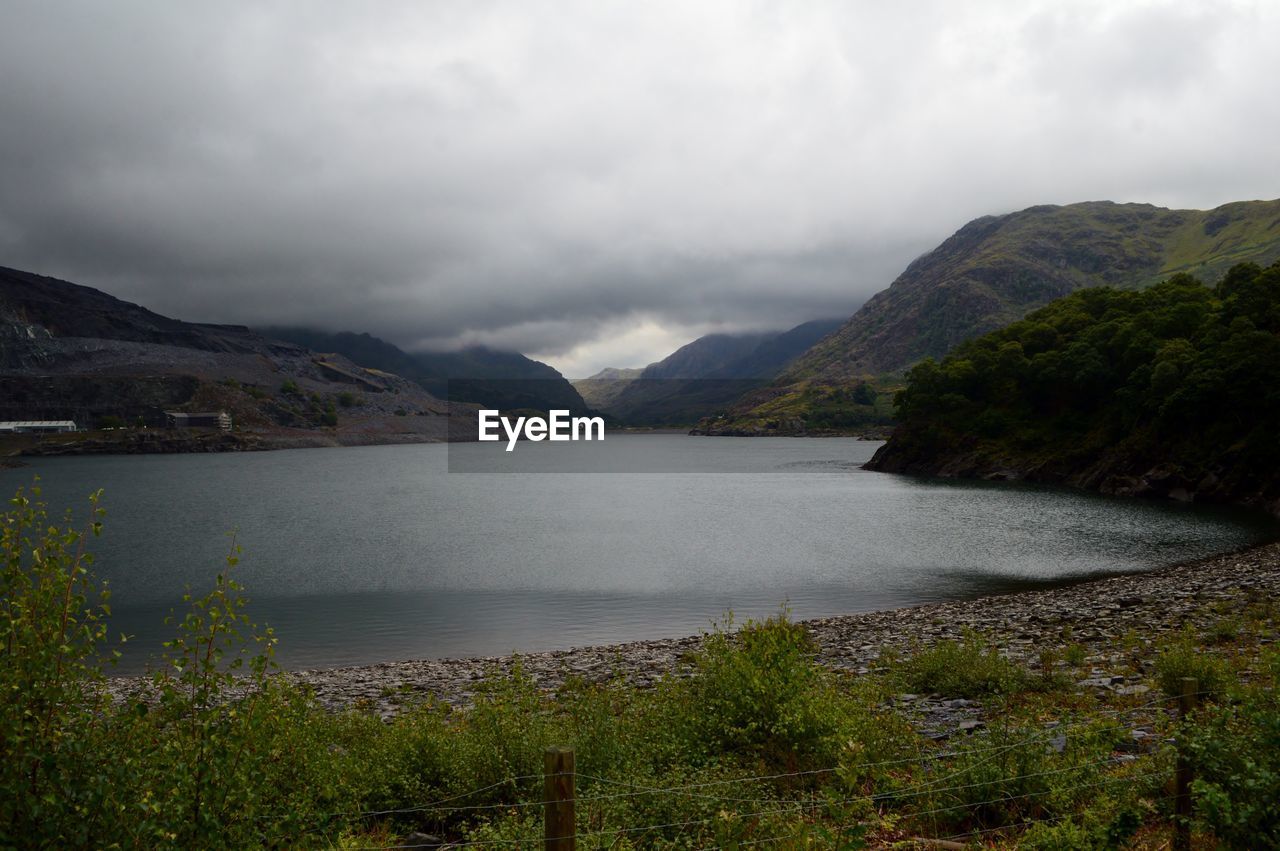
<point x="701" y="376"/>
<point x="600" y="390"/>
<point x="499" y="379"/>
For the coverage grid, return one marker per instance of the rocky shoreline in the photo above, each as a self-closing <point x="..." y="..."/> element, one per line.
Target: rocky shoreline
<point x="1112" y="624"/>
<point x="1117" y="472"/>
<point x="1109" y="621"/>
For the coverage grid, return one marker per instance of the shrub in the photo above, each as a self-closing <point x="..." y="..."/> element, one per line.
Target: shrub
<point x="759" y="689"/>
<point x="1014" y="772"/>
<point x="1235" y="756"/>
<point x="1183" y="659"/>
<point x="215" y="760"/>
<point x="54" y="775"/>
<point x="965" y="668"/>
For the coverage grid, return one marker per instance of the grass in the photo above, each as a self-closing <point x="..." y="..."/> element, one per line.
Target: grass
<point x="966" y="669"/>
<point x="756" y="743"/>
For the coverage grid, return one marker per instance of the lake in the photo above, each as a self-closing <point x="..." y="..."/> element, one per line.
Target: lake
<point x="369" y="554"/>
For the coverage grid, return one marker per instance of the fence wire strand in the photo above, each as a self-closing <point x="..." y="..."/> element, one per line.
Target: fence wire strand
<point x="928" y="787"/>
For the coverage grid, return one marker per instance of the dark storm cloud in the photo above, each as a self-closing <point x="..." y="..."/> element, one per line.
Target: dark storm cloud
<point x="591" y="182"/>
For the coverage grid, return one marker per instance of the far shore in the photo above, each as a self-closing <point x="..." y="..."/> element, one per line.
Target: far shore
<point x="1098" y="615"/>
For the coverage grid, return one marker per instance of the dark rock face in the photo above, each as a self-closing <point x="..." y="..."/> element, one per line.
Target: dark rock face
<point x="64" y="309"/>
<point x="489" y="377"/>
<point x="87" y="397"/>
<point x="1114" y="474"/>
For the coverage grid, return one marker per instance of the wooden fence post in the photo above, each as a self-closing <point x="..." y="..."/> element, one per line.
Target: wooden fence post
<point x="559" y="828"/>
<point x="1182" y="779"/>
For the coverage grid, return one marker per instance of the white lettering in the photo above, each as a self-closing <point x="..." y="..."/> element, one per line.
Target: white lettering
<point x="513" y="434"/>
<point x="587" y="424"/>
<point x="487" y="423"/>
<point x="560" y="426"/>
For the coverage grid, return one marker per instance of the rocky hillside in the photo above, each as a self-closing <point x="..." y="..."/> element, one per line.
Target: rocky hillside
<point x="996" y="269"/>
<point x="72" y="352"/>
<point x="489" y="377"/>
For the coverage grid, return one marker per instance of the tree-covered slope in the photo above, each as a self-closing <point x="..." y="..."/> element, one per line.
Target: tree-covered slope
<point x="1169" y="391"/>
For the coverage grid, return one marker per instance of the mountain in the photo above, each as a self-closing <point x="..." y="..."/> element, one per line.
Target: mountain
<point x="777" y="351"/>
<point x="73" y="352"/>
<point x="496" y="379"/>
<point x="600" y="390"/>
<point x="1169" y="391"/>
<point x="705" y="356"/>
<point x="996" y="269"/>
<point x="700" y="377"/>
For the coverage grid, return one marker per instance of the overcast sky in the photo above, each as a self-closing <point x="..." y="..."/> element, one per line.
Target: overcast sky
<point x="593" y="183"/>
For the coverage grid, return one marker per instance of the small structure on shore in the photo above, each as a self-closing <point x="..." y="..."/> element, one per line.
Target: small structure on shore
<point x="37" y="427"/>
<point x="220" y="420"/>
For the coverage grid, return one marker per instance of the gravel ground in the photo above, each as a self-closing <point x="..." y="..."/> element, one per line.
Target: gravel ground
<point x="1099" y="615"/>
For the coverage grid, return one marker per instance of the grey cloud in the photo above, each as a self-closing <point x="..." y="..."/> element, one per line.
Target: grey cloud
<point x="539" y="175"/>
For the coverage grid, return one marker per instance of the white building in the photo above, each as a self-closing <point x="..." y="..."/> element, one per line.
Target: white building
<point x="37" y="427"/>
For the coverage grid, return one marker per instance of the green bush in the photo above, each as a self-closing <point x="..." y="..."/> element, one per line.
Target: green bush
<point x="1235" y="757"/>
<point x="966" y="668"/>
<point x="760" y="689"/>
<point x="223" y="755"/>
<point x="1013" y="772"/>
<point x="54" y="777"/>
<point x="1182" y="659"/>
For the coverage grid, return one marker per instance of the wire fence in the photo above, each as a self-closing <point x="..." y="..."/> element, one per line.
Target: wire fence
<point x="933" y="790"/>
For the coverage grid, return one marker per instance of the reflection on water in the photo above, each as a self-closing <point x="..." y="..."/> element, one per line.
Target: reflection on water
<point x="374" y="553"/>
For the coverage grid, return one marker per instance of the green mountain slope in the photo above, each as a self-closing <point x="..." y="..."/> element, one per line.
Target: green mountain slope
<point x="996" y="269"/>
<point x="1169" y="391"/>
<point x="600" y="390"/>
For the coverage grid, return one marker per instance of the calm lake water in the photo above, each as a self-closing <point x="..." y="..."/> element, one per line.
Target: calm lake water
<point x="370" y="554"/>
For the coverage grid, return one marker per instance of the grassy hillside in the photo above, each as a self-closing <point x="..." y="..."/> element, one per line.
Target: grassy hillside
<point x="996" y="269"/>
<point x="1165" y="391"/>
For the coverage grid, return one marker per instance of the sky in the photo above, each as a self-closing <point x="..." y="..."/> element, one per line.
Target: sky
<point x="593" y="183"/>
